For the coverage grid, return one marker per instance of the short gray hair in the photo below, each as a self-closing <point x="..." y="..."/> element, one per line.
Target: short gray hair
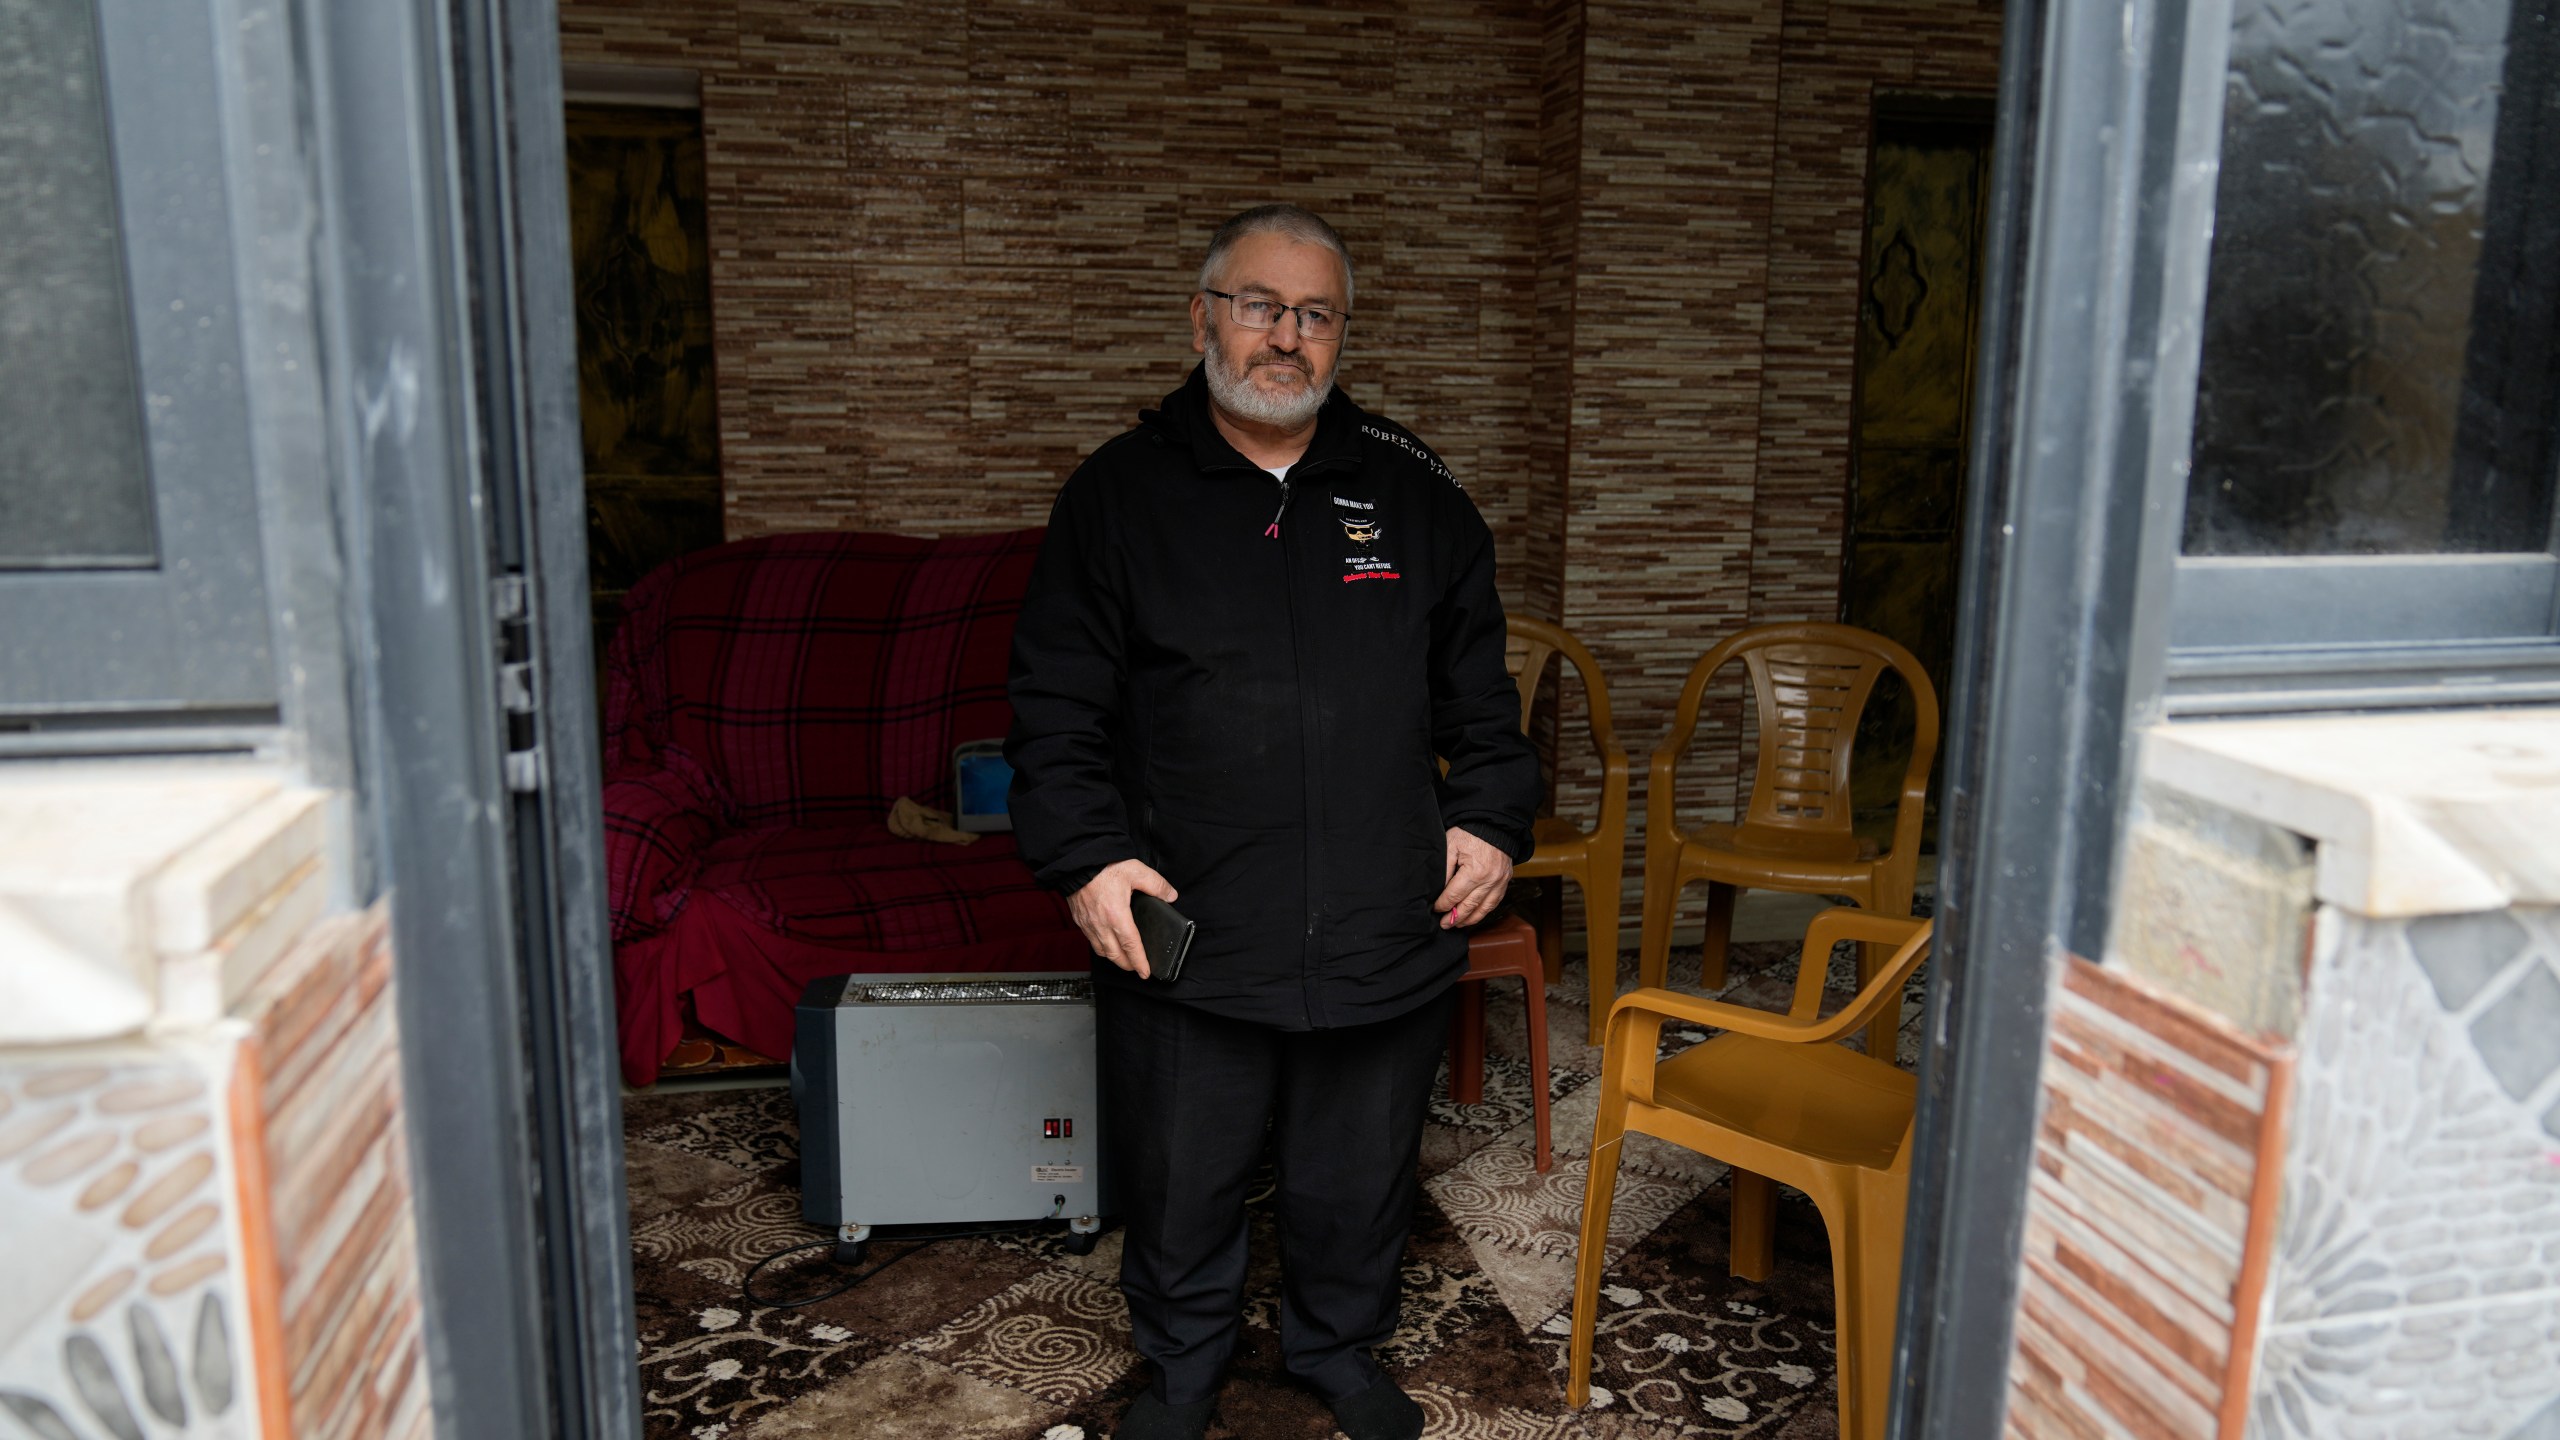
<point x="1298" y="223"/>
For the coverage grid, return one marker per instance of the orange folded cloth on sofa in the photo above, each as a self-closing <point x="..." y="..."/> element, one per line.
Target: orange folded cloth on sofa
<point x="911" y="821"/>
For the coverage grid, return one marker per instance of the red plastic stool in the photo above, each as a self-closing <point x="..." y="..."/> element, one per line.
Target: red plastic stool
<point x="1509" y="947"/>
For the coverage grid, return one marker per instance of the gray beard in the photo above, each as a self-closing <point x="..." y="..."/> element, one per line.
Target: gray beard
<point x="1235" y="393"/>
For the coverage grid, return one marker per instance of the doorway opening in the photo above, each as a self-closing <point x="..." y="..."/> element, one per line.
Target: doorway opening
<point x="1028" y="1325"/>
<point x="640" y="257"/>
<point x="1919" y="323"/>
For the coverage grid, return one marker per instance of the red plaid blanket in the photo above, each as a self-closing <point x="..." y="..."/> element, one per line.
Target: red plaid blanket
<point x="765" y="703"/>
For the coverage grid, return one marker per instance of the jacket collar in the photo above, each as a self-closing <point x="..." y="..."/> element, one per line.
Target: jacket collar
<point x="1185" y="416"/>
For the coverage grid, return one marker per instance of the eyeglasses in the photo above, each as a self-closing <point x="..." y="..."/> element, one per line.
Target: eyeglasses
<point x="1260" y="312"/>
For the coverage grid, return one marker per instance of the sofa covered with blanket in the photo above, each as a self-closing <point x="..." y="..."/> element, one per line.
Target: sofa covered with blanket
<point x="767" y="702"/>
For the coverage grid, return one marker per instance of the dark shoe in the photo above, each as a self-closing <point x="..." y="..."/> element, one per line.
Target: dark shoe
<point x="1381" y="1412"/>
<point x="1153" y="1419"/>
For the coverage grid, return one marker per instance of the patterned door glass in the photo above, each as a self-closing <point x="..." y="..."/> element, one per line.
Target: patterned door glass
<point x="1926" y="184"/>
<point x="2377" y="371"/>
<point x="74" y="490"/>
<point x="639" y="234"/>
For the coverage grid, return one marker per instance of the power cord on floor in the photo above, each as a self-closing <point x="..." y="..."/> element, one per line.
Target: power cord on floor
<point x="747" y="1287"/>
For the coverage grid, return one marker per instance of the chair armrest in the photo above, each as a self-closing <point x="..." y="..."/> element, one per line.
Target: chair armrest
<point x="1661" y="799"/>
<point x="1613" y="791"/>
<point x="1841" y="922"/>
<point x="1847" y="922"/>
<point x="656" y="825"/>
<point x="1715" y="1014"/>
<point x="1659" y="1005"/>
<point x="1909" y="814"/>
<point x="1613" y="763"/>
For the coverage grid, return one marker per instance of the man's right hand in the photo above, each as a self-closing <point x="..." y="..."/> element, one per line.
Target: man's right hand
<point x="1100" y="908"/>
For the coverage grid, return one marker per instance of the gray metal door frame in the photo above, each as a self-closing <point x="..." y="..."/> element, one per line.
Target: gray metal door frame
<point x="2108" y="145"/>
<point x="443" y="255"/>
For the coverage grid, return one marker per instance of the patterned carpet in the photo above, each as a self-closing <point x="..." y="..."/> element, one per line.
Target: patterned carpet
<point x="1013" y="1339"/>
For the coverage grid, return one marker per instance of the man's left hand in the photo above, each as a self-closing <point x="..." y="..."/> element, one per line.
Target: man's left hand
<point x="1478" y="876"/>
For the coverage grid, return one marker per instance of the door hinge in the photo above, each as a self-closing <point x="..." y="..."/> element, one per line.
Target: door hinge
<point x="519" y="699"/>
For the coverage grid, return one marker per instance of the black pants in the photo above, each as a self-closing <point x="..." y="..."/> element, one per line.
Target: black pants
<point x="1189" y="1094"/>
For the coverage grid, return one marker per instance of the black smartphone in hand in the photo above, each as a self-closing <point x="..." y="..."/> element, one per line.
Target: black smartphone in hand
<point x="1164" y="933"/>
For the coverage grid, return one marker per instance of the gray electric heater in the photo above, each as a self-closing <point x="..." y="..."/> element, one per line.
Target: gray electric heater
<point x="944" y="1099"/>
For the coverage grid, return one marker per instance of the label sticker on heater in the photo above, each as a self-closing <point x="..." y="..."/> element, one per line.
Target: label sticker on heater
<point x="1057" y="1174"/>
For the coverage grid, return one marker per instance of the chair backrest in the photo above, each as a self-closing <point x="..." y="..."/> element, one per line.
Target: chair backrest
<point x="1810" y="682"/>
<point x="1542" y="642"/>
<point x="819" y="677"/>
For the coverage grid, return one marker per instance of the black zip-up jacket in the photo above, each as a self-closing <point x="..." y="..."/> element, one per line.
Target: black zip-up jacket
<point x="1245" y="682"/>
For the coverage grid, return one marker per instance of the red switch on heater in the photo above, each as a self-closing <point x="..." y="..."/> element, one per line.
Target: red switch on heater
<point x="1049" y="1129"/>
<point x="1067" y="1128"/>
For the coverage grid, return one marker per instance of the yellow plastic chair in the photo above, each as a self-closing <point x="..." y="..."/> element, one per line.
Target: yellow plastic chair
<point x="1810" y="683"/>
<point x="1593" y="859"/>
<point x="1777" y="1100"/>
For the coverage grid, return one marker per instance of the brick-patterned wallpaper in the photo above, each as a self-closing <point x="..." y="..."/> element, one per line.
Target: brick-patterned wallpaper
<point x="1678" y="101"/>
<point x="1609" y="258"/>
<point x="1550" y="420"/>
<point x="953" y="243"/>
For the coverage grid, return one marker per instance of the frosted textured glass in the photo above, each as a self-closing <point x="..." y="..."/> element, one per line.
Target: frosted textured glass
<point x="2376" y="374"/>
<point x="74" y="489"/>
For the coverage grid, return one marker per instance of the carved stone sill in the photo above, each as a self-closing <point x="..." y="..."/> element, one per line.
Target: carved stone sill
<point x="147" y="894"/>
<point x="2414" y="813"/>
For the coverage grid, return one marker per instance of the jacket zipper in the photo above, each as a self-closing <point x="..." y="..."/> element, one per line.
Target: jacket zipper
<point x="1307" y="945"/>
<point x="1272" y="530"/>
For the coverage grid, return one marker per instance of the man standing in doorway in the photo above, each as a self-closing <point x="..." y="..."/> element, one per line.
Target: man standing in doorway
<point x="1259" y="622"/>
